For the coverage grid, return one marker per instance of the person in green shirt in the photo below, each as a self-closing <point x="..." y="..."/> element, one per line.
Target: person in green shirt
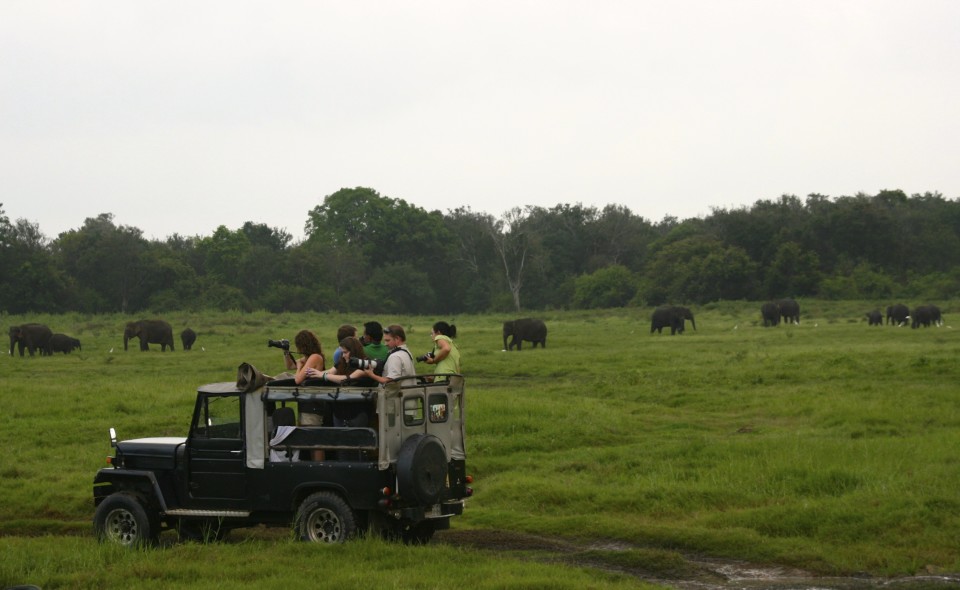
<point x="446" y="354"/>
<point x="372" y="345"/>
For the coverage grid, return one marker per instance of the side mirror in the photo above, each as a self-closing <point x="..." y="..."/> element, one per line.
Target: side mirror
<point x="113" y="437"/>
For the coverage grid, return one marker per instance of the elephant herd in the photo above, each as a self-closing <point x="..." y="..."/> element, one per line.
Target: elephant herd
<point x="899" y="314"/>
<point x="40" y="338"/>
<point x="788" y="311"/>
<point x="156" y="332"/>
<point x="785" y="310"/>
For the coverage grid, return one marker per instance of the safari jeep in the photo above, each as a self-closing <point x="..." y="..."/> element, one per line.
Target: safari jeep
<point x="399" y="473"/>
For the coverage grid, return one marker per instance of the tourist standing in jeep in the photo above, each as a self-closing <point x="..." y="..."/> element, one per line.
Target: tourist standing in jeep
<point x="372" y="340"/>
<point x="399" y="361"/>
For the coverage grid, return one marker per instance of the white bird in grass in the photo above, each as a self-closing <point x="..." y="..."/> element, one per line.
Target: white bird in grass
<point x="202" y="349"/>
<point x="111" y="350"/>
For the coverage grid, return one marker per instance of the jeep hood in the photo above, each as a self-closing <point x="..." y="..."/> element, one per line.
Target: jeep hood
<point x="161" y="445"/>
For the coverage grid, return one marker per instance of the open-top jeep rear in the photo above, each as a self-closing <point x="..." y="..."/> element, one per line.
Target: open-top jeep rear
<point x="396" y="467"/>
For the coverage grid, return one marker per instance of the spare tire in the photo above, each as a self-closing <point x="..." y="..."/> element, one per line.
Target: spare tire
<point x="422" y="469"/>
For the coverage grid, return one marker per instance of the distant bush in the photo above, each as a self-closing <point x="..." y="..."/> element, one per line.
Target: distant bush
<point x="612" y="286"/>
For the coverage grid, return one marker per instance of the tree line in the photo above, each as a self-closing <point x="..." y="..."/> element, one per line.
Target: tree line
<point x="371" y="253"/>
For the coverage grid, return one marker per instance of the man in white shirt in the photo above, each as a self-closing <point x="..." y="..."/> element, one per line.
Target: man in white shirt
<point x="399" y="361"/>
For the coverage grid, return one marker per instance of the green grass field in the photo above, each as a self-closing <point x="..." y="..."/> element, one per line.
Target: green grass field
<point x="829" y="446"/>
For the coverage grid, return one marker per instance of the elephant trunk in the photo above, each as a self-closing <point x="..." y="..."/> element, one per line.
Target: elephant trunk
<point x="126" y="338"/>
<point x="504" y="340"/>
<point x="693" y="322"/>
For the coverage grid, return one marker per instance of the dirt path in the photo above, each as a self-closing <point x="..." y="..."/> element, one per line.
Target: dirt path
<point x="680" y="572"/>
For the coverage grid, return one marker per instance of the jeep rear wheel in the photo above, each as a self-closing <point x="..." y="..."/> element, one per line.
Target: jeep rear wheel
<point x="122" y="519"/>
<point x="325" y="517"/>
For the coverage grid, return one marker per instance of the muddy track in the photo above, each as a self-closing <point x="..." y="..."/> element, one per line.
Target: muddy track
<point x="677" y="571"/>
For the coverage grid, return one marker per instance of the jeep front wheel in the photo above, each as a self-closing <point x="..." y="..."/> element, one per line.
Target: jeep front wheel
<point x="325" y="517"/>
<point x="122" y="519"/>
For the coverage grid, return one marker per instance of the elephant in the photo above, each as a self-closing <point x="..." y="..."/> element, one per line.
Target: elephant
<point x="62" y="343"/>
<point x="875" y="318"/>
<point x="925" y="315"/>
<point x="149" y="332"/>
<point x="898" y="314"/>
<point x="770" y="312"/>
<point x="33" y="337"/>
<point x="789" y="311"/>
<point x="527" y="329"/>
<point x="674" y="316"/>
<point x="187" y="338"/>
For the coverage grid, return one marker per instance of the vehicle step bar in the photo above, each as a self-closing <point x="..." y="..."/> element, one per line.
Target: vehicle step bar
<point x="208" y="513"/>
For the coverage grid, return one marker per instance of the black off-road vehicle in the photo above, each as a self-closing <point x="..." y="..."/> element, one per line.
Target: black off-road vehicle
<point x="388" y="460"/>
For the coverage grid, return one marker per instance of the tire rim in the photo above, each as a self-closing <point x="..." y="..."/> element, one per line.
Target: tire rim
<point x="323" y="526"/>
<point x="121" y="527"/>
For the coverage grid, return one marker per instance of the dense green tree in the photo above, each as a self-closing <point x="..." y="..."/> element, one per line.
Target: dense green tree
<point x="385" y="230"/>
<point x="863" y="281"/>
<point x="359" y="228"/>
<point x="726" y="273"/>
<point x="620" y="237"/>
<point x="106" y="263"/>
<point x="612" y="286"/>
<point x="30" y="280"/>
<point x="793" y="272"/>
<point x="672" y="274"/>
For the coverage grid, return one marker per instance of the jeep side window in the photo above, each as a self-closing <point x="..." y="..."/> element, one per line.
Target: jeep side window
<point x="413" y="411"/>
<point x="219" y="418"/>
<point x="438" y="407"/>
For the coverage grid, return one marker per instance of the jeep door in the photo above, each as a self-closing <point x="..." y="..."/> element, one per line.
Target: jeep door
<point x="435" y="410"/>
<point x="215" y="453"/>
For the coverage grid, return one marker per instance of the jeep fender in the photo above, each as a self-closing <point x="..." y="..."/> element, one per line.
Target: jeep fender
<point x="108" y="481"/>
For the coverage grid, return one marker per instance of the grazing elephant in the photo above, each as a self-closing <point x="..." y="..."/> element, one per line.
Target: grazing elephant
<point x="898" y="314"/>
<point x="62" y="343"/>
<point x="149" y="332"/>
<point x="875" y="318"/>
<point x="674" y="316"/>
<point x="33" y="337"/>
<point x="925" y="315"/>
<point x="770" y="312"/>
<point x="789" y="311"/>
<point x="187" y="338"/>
<point x="527" y="329"/>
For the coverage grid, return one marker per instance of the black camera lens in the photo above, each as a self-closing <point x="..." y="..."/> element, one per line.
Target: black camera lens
<point x="282" y="344"/>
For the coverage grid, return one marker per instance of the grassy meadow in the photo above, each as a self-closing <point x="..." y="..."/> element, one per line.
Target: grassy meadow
<point x="830" y="446"/>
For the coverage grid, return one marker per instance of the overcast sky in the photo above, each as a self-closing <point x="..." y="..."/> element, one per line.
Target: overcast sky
<point x="181" y="116"/>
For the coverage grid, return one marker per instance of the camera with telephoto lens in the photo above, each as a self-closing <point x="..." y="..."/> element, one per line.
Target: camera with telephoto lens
<point x="365" y="364"/>
<point x="423" y="357"/>
<point x="284" y="344"/>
